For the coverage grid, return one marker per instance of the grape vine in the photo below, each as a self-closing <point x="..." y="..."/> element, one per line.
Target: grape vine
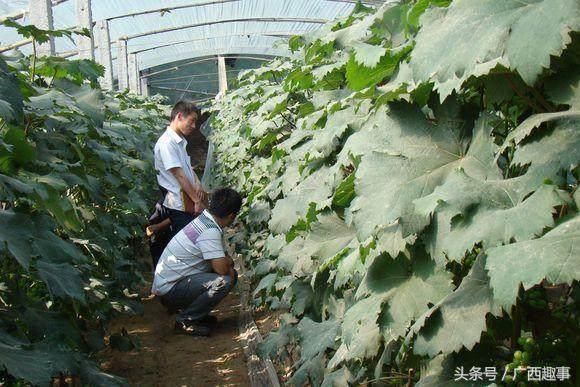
<point x="411" y="179"/>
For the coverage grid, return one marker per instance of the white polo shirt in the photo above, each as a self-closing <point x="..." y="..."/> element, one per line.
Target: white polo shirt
<point x="170" y="152"/>
<point x="189" y="252"/>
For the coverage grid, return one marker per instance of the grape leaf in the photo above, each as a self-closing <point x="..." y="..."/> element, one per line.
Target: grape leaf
<point x="565" y="89"/>
<point x="328" y="236"/>
<point x="458" y="320"/>
<point x="525" y="128"/>
<point x="417" y="159"/>
<point x="469" y="211"/>
<point x="62" y="279"/>
<point x="360" y="331"/>
<point x="311" y="371"/>
<point x="360" y="76"/>
<point x="406" y="287"/>
<point x="316" y="188"/>
<point x="555" y="257"/>
<point x="469" y="38"/>
<point x="368" y="55"/>
<point x="340" y="377"/>
<point x="552" y="153"/>
<point x="316" y="337"/>
<point x="36" y="365"/>
<point x="11" y="103"/>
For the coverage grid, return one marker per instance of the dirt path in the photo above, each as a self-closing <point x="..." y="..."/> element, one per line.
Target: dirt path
<point x="166" y="358"/>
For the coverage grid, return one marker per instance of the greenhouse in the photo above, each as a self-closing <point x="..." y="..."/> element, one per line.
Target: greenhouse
<point x="301" y="193"/>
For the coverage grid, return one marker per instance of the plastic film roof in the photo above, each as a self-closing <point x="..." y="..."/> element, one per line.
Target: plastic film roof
<point x="223" y="27"/>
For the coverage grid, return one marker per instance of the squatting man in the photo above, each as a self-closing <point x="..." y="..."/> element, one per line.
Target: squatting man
<point x="194" y="273"/>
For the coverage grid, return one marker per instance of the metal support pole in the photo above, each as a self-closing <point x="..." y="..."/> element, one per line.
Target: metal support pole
<point x="41" y="17"/>
<point x="105" y="57"/>
<point x="133" y="73"/>
<point x="222" y="76"/>
<point x="145" y="86"/>
<point x="85" y="45"/>
<point x="123" y="72"/>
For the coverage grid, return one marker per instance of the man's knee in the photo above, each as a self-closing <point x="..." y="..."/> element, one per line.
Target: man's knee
<point x="224" y="283"/>
<point x="230" y="281"/>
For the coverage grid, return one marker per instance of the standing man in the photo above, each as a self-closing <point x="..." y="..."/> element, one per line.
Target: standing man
<point x="194" y="273"/>
<point x="185" y="197"/>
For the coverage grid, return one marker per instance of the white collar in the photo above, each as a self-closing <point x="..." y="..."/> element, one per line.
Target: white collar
<point x="210" y="216"/>
<point x="174" y="135"/>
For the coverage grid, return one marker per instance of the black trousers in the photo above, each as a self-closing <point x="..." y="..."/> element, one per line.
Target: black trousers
<point x="179" y="220"/>
<point x="157" y="242"/>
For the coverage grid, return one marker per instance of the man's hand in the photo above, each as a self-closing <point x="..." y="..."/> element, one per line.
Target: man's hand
<point x="221" y="266"/>
<point x="224" y="266"/>
<point x="232" y="271"/>
<point x="194" y="191"/>
<point x="200" y="200"/>
<point x="230" y="260"/>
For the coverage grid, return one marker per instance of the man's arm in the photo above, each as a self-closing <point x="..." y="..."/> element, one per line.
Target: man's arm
<point x="195" y="192"/>
<point x="224" y="266"/>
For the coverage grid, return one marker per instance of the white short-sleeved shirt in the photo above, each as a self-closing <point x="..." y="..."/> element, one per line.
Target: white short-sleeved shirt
<point x="189" y="252"/>
<point x="170" y="152"/>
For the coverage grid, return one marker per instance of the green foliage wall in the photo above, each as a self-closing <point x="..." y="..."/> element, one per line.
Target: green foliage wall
<point x="411" y="190"/>
<point x="76" y="184"/>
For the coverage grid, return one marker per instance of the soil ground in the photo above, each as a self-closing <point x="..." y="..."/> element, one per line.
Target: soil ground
<point x="166" y="358"/>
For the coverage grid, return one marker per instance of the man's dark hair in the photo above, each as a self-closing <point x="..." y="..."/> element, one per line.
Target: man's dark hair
<point x="186" y="108"/>
<point x="225" y="201"/>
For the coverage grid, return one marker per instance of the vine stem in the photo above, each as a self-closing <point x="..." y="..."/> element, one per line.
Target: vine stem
<point x="52" y="80"/>
<point x="545" y="104"/>
<point x="530" y="102"/>
<point x="33" y="69"/>
<point x="288" y="121"/>
<point x="517" y="319"/>
<point x="28" y="124"/>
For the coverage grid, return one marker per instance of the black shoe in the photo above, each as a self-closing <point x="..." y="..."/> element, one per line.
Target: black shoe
<point x="208" y="320"/>
<point x="191" y="328"/>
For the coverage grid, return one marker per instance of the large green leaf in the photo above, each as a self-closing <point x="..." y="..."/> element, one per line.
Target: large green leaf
<point x="525" y="128"/>
<point x="469" y="38"/>
<point x="77" y="71"/>
<point x="458" y="320"/>
<point x="360" y="76"/>
<point x="326" y="140"/>
<point x="16" y="234"/>
<point x="418" y="158"/>
<point x="50" y="326"/>
<point x="11" y="186"/>
<point x="470" y="211"/>
<point x="360" y="331"/>
<point x="372" y="136"/>
<point x="439" y="372"/>
<point x="553" y="152"/>
<point x="407" y="288"/>
<point x="338" y="378"/>
<point x="275" y="341"/>
<point x="311" y="371"/>
<point x="23" y="151"/>
<point x="316" y="188"/>
<point x="316" y="337"/>
<point x="11" y="102"/>
<point x="565" y="88"/>
<point x="62" y="279"/>
<point x="51" y="102"/>
<point x="90" y="101"/>
<point x="36" y="364"/>
<point x="91" y="374"/>
<point x="349" y="269"/>
<point x="554" y="257"/>
<point x="328" y="236"/>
